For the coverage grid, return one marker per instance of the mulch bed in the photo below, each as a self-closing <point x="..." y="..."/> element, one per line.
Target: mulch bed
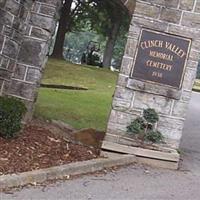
<point x="38" y="148"/>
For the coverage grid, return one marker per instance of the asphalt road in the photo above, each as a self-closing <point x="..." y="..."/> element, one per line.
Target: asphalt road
<point x="134" y="182"/>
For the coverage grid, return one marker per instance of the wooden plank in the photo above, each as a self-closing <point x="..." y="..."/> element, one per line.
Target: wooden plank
<point x="140" y="152"/>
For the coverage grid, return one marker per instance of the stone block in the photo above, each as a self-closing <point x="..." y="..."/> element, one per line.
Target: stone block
<point x="170" y="15"/>
<point x="124" y="94"/>
<point x="189" y="78"/>
<point x="121" y="105"/>
<point x="33" y="75"/>
<point x="22" y="89"/>
<point x="20" y="71"/>
<point x="120" y="117"/>
<point x="122" y="80"/>
<point x="192" y="64"/>
<point x="130" y="47"/>
<point x="191" y="20"/>
<point x="195" y="45"/>
<point x="152" y="88"/>
<point x="54" y="3"/>
<point x="117" y="129"/>
<point x="1" y="42"/>
<point x="180" y="109"/>
<point x="19" y="25"/>
<point x="17" y="36"/>
<point x="141" y="22"/>
<point x="2" y="3"/>
<point x="12" y="7"/>
<point x="186" y="95"/>
<point x="47" y="10"/>
<point x="4" y="62"/>
<point x="36" y="7"/>
<point x="197" y="8"/>
<point x="1" y="28"/>
<point x="126" y="66"/>
<point x="188" y="32"/>
<point x="194" y="55"/>
<point x="165" y="3"/>
<point x="1" y="86"/>
<point x="134" y="32"/>
<point x="11" y="65"/>
<point x="161" y="104"/>
<point x="11" y="49"/>
<point x="8" y="31"/>
<point x="44" y="22"/>
<point x="32" y="52"/>
<point x="6" y="18"/>
<point x="171" y="128"/>
<point x="187" y="4"/>
<point x="147" y="10"/>
<point x="5" y="74"/>
<point x="40" y="33"/>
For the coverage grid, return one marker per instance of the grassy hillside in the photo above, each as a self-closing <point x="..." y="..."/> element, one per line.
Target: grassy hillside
<point x="81" y="109"/>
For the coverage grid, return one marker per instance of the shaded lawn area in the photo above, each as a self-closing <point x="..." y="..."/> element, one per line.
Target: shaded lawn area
<point x="197" y="85"/>
<point x="81" y="109"/>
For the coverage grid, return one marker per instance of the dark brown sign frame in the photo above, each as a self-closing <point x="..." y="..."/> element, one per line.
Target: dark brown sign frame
<point x="161" y="58"/>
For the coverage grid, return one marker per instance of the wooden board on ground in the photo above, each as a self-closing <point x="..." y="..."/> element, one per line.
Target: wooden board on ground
<point x="146" y="156"/>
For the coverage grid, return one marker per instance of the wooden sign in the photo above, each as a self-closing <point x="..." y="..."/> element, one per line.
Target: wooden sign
<point x="161" y="58"/>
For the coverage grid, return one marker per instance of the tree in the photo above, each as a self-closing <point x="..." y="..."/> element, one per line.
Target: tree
<point x="66" y="22"/>
<point x="106" y="17"/>
<point x="109" y="19"/>
<point x="62" y="29"/>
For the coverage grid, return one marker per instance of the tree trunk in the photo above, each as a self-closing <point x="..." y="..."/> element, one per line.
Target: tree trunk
<point x="108" y="53"/>
<point x="64" y="23"/>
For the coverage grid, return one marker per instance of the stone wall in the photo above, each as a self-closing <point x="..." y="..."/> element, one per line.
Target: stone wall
<point x="13" y="17"/>
<point x="26" y="31"/>
<point x="179" y="17"/>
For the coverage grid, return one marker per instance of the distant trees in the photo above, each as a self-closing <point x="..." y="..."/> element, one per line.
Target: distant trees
<point x="105" y="17"/>
<point x="109" y="19"/>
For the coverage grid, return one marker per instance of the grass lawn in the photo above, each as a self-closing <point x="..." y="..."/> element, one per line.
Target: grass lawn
<point x="81" y="109"/>
<point x="197" y="85"/>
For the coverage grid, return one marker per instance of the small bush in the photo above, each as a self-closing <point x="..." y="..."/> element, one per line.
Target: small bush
<point x="151" y="116"/>
<point x="135" y="128"/>
<point x="11" y="113"/>
<point x="154" y="136"/>
<point x="144" y="127"/>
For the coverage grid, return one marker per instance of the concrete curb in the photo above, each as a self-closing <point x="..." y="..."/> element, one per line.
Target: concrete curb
<point x="59" y="172"/>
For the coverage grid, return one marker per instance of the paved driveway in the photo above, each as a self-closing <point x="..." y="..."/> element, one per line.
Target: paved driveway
<point x="134" y="182"/>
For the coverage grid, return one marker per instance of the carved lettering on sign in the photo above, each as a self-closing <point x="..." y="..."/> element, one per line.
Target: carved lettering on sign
<point x="161" y="58"/>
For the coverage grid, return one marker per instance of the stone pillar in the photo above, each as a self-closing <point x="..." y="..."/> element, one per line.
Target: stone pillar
<point x="13" y="16"/>
<point x="132" y="95"/>
<point x="37" y="20"/>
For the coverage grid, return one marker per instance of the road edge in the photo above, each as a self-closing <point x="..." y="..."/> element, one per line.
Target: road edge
<point x="60" y="172"/>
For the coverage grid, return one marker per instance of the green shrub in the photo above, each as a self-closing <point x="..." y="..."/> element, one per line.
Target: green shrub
<point x="137" y="126"/>
<point x="150" y="115"/>
<point x="144" y="127"/>
<point x="11" y="113"/>
<point x="154" y="136"/>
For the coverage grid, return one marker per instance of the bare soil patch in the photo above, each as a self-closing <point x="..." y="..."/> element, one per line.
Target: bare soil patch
<point x="38" y="147"/>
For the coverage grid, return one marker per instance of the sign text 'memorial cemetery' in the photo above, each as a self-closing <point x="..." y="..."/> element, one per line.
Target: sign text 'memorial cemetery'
<point x="161" y="58"/>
